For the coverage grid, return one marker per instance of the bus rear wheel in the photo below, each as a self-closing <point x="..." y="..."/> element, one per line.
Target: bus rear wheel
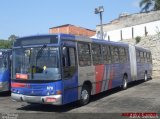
<point x="124" y="82"/>
<point x="85" y="95"/>
<point x="145" y="77"/>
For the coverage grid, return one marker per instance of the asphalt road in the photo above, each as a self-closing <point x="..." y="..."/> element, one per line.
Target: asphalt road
<point x="139" y="97"/>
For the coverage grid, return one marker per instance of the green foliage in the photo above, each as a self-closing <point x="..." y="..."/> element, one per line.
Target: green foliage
<point x="157" y="5"/>
<point x="149" y="5"/>
<point x="138" y="39"/>
<point x="5" y="44"/>
<point x="12" y="37"/>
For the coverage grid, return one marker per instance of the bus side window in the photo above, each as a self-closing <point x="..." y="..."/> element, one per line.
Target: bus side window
<point x="141" y="57"/>
<point x="138" y="56"/>
<point x="115" y="54"/>
<point x="126" y="54"/>
<point x="122" y="55"/>
<point x="68" y="61"/>
<point x="145" y="57"/>
<point x="96" y="54"/>
<point x="106" y="54"/>
<point x="84" y="54"/>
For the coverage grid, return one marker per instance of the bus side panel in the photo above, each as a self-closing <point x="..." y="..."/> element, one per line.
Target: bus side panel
<point x="111" y="76"/>
<point x="86" y="73"/>
<point x="105" y="77"/>
<point x="116" y="74"/>
<point x="140" y="71"/>
<point x="99" y="76"/>
<point x="150" y="68"/>
<point x="70" y="92"/>
<point x="108" y="76"/>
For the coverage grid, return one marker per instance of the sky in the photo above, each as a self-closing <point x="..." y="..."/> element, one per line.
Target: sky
<point x="31" y="17"/>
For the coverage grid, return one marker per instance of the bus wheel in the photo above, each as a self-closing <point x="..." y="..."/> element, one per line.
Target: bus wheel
<point x="125" y="83"/>
<point x="85" y="95"/>
<point x="145" y="76"/>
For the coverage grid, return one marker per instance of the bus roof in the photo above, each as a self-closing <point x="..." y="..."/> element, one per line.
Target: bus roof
<point x="84" y="39"/>
<point x="142" y="49"/>
<point x="78" y="38"/>
<point x="91" y="40"/>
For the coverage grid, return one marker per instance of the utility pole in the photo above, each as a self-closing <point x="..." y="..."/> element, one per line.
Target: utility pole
<point x="100" y="10"/>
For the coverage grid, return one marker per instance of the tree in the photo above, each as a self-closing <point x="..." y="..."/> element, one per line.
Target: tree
<point x="12" y="38"/>
<point x="157" y="5"/>
<point x="148" y="5"/>
<point x="7" y="43"/>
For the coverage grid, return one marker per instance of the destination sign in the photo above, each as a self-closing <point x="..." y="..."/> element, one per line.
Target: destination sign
<point x="36" y="40"/>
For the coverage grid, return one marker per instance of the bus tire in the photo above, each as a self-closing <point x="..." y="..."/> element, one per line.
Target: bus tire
<point x="124" y="82"/>
<point x="85" y="95"/>
<point x="145" y="76"/>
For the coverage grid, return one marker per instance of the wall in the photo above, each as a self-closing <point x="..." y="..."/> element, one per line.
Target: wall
<point x="132" y="32"/>
<point x="59" y="30"/>
<point x="131" y="26"/>
<point x="71" y="29"/>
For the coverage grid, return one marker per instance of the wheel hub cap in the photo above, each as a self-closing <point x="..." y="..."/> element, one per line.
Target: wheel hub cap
<point x="84" y="95"/>
<point x="125" y="83"/>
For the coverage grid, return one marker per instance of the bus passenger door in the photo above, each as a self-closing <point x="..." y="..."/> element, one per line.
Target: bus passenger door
<point x="70" y="74"/>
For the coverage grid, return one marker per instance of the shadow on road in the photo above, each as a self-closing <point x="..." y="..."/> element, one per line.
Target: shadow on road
<point x="49" y="108"/>
<point x="5" y="94"/>
<point x="115" y="90"/>
<point x="71" y="106"/>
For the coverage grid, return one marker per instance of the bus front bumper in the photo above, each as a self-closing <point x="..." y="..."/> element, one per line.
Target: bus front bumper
<point x="53" y="99"/>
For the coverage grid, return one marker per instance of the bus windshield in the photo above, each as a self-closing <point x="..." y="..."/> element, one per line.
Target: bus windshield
<point x="40" y="63"/>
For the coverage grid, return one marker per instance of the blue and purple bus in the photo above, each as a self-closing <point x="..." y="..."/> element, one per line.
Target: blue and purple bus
<point x="5" y="69"/>
<point x="59" y="68"/>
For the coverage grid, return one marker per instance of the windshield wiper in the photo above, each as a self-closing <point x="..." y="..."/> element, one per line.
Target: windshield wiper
<point x="39" y="54"/>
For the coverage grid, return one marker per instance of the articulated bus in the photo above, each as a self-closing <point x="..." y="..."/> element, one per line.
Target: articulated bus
<point x="5" y="69"/>
<point x="59" y="68"/>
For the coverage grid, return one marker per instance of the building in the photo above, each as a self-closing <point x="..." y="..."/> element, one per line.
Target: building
<point x="71" y="29"/>
<point x="130" y="26"/>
